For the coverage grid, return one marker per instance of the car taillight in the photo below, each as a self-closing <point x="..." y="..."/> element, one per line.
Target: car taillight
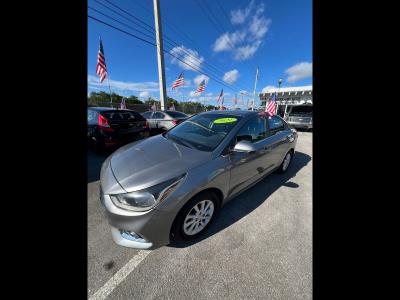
<point x="175" y="122"/>
<point x="146" y="125"/>
<point x="103" y="122"/>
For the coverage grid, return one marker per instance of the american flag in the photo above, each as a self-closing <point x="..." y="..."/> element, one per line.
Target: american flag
<point x="178" y="82"/>
<point x="220" y="96"/>
<point x="153" y="107"/>
<point x="122" y="105"/>
<point x="271" y="106"/>
<point x="101" y="68"/>
<point x="201" y="87"/>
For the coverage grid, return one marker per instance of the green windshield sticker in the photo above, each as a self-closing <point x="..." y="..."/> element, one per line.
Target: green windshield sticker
<point x="225" y="120"/>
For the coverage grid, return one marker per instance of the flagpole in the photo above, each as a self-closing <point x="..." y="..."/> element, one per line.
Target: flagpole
<point x="254" y="92"/>
<point x="109" y="87"/>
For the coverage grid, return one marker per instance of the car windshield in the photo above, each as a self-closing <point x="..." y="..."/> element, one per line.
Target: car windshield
<point x="302" y="110"/>
<point x="203" y="132"/>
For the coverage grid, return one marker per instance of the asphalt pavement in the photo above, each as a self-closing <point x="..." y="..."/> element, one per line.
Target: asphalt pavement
<point x="260" y="247"/>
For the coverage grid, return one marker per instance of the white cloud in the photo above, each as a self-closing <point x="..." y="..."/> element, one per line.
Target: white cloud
<point x="259" y="26"/>
<point x="239" y="16"/>
<point x="231" y="76"/>
<point x="144" y="94"/>
<point x="268" y="87"/>
<point x="189" y="59"/>
<point x="199" y="78"/>
<point x="209" y="94"/>
<point x="244" y="42"/>
<point x="299" y="71"/>
<point x="227" y="41"/>
<point x="150" y="86"/>
<point x="194" y="94"/>
<point x="244" y="92"/>
<point x="246" y="52"/>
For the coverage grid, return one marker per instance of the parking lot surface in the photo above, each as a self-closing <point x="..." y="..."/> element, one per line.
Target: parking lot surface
<point x="259" y="247"/>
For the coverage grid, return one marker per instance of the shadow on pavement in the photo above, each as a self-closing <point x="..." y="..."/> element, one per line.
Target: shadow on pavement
<point x="245" y="203"/>
<point x="94" y="162"/>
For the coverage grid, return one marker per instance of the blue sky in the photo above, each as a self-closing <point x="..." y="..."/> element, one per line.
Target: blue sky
<point x="274" y="35"/>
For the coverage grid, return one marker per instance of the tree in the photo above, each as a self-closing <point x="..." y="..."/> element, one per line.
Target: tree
<point x="133" y="100"/>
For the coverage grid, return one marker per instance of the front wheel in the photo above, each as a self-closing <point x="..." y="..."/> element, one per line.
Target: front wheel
<point x="196" y="216"/>
<point x="286" y="162"/>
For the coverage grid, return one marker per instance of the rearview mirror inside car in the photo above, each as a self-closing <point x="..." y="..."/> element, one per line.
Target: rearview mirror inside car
<point x="244" y="146"/>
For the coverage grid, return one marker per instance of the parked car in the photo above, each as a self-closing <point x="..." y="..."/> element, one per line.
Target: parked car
<point x="164" y="120"/>
<point x="110" y="127"/>
<point x="300" y="116"/>
<point x="172" y="185"/>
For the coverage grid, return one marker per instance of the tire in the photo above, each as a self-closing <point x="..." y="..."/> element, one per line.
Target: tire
<point x="286" y="164"/>
<point x="211" y="202"/>
<point x="98" y="146"/>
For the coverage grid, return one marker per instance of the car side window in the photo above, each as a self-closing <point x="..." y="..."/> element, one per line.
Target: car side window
<point x="275" y="125"/>
<point x="253" y="130"/>
<point x="147" y="115"/>
<point x="158" y="115"/>
<point x="91" y="117"/>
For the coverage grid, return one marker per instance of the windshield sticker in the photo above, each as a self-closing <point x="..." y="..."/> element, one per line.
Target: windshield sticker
<point x="225" y="120"/>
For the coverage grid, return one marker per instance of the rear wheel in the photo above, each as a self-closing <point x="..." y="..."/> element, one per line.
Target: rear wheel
<point x="196" y="216"/>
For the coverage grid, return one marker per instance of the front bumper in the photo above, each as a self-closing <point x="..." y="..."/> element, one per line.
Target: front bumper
<point x="152" y="226"/>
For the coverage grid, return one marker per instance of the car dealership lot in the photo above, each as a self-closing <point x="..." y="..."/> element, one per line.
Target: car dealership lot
<point x="260" y="246"/>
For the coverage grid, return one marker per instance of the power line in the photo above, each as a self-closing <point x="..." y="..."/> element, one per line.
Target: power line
<point x="153" y="44"/>
<point x="183" y="35"/>
<point x="222" y="32"/>
<point x="107" y="16"/>
<point x="171" y="44"/>
<point x="168" y="40"/>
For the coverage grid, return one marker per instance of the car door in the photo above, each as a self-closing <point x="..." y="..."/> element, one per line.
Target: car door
<point x="245" y="168"/>
<point x="158" y="118"/>
<point x="150" y="119"/>
<point x="280" y="137"/>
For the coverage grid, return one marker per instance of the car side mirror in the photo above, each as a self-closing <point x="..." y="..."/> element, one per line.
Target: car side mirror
<point x="244" y="146"/>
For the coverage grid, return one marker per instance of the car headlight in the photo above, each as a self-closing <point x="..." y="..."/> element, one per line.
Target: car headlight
<point x="148" y="198"/>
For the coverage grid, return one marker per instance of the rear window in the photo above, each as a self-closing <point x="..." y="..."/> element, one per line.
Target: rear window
<point x="302" y="109"/>
<point x="122" y="115"/>
<point x="177" y="114"/>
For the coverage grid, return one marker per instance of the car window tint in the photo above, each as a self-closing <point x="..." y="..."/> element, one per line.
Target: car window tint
<point x="158" y="115"/>
<point x="91" y="117"/>
<point x="147" y="115"/>
<point x="253" y="130"/>
<point x="177" y="114"/>
<point x="275" y="124"/>
<point x="122" y="115"/>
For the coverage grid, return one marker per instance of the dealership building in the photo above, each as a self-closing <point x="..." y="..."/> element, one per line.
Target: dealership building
<point x="299" y="95"/>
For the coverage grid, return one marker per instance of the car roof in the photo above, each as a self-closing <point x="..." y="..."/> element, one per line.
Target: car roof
<point x="241" y="113"/>
<point x="98" y="108"/>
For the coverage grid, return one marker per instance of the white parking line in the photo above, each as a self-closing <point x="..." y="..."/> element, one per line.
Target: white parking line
<point x="118" y="277"/>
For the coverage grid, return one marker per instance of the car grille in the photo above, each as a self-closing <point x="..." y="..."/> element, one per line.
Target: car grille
<point x="300" y="119"/>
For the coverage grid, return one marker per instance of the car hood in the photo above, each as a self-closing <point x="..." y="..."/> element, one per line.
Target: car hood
<point x="154" y="160"/>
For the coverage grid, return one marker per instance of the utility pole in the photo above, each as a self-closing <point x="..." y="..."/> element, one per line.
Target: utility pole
<point x="160" y="54"/>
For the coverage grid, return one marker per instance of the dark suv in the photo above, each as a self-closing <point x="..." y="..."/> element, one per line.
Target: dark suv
<point x="111" y="127"/>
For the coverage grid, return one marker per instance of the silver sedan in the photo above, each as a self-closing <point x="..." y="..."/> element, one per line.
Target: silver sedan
<point x="164" y="120"/>
<point x="173" y="185"/>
